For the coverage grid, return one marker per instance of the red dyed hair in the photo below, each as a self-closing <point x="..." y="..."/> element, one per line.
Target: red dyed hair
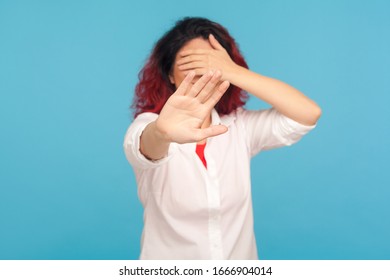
<point x="154" y="87"/>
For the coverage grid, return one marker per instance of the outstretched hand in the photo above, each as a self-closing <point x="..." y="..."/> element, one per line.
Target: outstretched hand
<point x="182" y="116"/>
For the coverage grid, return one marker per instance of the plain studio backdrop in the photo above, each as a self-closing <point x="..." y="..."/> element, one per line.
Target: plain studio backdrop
<point x="67" y="75"/>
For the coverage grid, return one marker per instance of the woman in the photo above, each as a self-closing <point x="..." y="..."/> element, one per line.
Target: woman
<point x="191" y="142"/>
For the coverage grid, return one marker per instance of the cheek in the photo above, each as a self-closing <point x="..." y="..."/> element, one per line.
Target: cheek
<point x="178" y="77"/>
<point x="181" y="77"/>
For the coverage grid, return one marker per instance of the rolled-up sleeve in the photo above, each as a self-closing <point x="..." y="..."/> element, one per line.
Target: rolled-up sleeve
<point x="268" y="129"/>
<point x="132" y="143"/>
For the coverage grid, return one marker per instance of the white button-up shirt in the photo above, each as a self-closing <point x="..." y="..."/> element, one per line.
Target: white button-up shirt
<point x="191" y="212"/>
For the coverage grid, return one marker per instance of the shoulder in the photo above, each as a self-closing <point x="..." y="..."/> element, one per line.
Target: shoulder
<point x="147" y="116"/>
<point x="139" y="123"/>
<point x="242" y="114"/>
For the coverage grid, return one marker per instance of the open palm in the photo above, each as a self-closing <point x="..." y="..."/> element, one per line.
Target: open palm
<point x="185" y="111"/>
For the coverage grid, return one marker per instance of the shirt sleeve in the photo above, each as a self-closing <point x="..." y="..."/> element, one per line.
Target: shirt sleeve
<point x="132" y="143"/>
<point x="268" y="129"/>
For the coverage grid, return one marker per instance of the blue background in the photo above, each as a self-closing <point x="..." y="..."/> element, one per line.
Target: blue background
<point x="67" y="74"/>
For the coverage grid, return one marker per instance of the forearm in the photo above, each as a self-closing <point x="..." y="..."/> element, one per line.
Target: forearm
<point x="153" y="145"/>
<point x="283" y="97"/>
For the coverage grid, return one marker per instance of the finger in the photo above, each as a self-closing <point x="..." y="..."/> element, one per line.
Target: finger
<point x="192" y="65"/>
<point x="210" y="86"/>
<point x="193" y="51"/>
<point x="211" y="131"/>
<point x="198" y="71"/>
<point x="183" y="87"/>
<point x="216" y="96"/>
<point x="199" y="85"/>
<point x="207" y="96"/>
<point x="214" y="43"/>
<point x="190" y="58"/>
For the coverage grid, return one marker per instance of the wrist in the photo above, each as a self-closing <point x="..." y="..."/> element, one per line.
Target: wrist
<point x="152" y="146"/>
<point x="235" y="72"/>
<point x="160" y="134"/>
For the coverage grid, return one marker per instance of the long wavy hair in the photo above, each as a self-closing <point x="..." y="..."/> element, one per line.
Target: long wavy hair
<point x="154" y="87"/>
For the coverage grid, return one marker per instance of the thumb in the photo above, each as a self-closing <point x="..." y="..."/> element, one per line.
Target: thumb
<point x="214" y="43"/>
<point x="211" y="131"/>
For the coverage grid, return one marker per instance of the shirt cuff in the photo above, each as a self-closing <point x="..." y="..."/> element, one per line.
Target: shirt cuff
<point x="297" y="127"/>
